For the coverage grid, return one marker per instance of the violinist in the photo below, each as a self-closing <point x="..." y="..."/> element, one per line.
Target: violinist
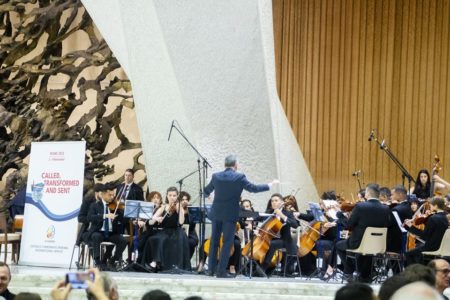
<point x="104" y="226"/>
<point x="385" y="195"/>
<point x="147" y="225"/>
<point x="185" y="197"/>
<point x="370" y="213"/>
<point x="435" y="227"/>
<point x="403" y="209"/>
<point x="128" y="191"/>
<point x="285" y="240"/>
<point x="169" y="246"/>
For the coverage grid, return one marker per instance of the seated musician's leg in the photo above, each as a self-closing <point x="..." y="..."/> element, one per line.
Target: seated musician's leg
<point x="120" y="243"/>
<point x="95" y="240"/>
<point x="275" y="244"/>
<point x="234" y="263"/>
<point x="341" y="248"/>
<point x="414" y="256"/>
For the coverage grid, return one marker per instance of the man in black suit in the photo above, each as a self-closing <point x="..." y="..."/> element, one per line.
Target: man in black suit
<point x="434" y="231"/>
<point x="83" y="214"/>
<point x="228" y="186"/>
<point x="396" y="239"/>
<point x="104" y="226"/>
<point x="370" y="213"/>
<point x="129" y="190"/>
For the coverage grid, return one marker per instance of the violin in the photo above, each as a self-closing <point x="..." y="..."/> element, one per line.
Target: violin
<point x="116" y="204"/>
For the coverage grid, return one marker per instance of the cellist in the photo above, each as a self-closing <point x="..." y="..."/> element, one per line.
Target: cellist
<point x="285" y="240"/>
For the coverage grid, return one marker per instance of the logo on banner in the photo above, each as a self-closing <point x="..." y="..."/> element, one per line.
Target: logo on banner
<point x="37" y="191"/>
<point x="51" y="232"/>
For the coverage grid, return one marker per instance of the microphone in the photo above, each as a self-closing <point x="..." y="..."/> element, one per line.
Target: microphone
<point x="372" y="135"/>
<point x="382" y="145"/>
<point x="356" y="173"/>
<point x="171" y="127"/>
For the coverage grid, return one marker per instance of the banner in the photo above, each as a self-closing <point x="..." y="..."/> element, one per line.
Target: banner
<point x="53" y="199"/>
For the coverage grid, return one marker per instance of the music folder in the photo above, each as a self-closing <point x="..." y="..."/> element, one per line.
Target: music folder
<point x="137" y="209"/>
<point x="195" y="215"/>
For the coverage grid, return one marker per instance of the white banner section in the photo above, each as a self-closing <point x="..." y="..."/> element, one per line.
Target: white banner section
<point x="53" y="200"/>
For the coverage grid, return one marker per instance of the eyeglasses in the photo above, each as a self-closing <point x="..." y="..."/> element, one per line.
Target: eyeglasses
<point x="445" y="271"/>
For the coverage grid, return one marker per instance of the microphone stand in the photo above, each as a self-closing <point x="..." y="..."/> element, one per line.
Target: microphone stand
<point x="405" y="173"/>
<point x="202" y="170"/>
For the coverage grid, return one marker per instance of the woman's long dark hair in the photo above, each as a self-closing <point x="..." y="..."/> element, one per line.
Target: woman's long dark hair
<point x="422" y="191"/>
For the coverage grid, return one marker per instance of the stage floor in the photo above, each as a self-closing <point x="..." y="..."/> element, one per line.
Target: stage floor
<point x="133" y="285"/>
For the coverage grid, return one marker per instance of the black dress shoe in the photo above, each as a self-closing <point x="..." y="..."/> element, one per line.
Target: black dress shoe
<point x="210" y="274"/>
<point x="225" y="275"/>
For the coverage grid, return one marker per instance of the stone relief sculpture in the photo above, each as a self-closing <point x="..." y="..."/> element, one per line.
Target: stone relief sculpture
<point x="45" y="88"/>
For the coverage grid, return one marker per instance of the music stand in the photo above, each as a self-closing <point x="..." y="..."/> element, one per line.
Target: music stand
<point x="137" y="209"/>
<point x="253" y="216"/>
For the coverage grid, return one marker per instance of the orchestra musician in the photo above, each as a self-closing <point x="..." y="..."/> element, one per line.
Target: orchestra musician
<point x="385" y="195"/>
<point x="285" y="240"/>
<point x="147" y="225"/>
<point x="403" y="209"/>
<point x="423" y="185"/>
<point x="435" y="227"/>
<point x="104" y="226"/>
<point x="84" y="210"/>
<point x="129" y="190"/>
<point x="168" y="247"/>
<point x="185" y="197"/>
<point x="228" y="186"/>
<point x="370" y="213"/>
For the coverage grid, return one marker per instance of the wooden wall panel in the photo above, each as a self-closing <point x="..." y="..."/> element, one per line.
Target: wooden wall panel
<point x="345" y="67"/>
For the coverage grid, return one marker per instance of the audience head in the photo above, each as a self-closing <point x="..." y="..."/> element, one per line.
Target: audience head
<point x="5" y="277"/>
<point x="27" y="296"/>
<point x="391" y="285"/>
<point x="156" y="295"/>
<point x="194" y="298"/>
<point x="399" y="193"/>
<point x="372" y="191"/>
<point x="416" y="291"/>
<point x="109" y="287"/>
<point x="418" y="272"/>
<point x="354" y="291"/>
<point x="441" y="268"/>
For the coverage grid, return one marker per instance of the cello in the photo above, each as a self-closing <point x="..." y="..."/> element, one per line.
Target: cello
<point x="261" y="242"/>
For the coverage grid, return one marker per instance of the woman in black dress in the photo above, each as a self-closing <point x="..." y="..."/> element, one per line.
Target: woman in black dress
<point x="168" y="248"/>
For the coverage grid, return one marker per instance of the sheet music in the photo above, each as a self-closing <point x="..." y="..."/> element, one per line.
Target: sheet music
<point x="399" y="222"/>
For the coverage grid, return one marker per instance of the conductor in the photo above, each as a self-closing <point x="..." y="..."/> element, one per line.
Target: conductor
<point x="228" y="186"/>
